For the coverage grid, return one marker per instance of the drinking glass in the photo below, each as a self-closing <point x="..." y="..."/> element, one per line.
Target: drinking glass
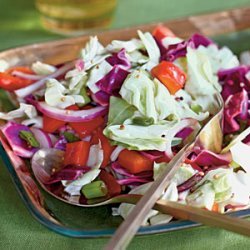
<point x="75" y="16"/>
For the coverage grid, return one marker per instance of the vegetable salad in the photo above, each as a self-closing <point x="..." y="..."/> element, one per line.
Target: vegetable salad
<point x="118" y="114"/>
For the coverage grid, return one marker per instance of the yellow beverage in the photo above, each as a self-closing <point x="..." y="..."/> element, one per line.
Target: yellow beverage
<point x="75" y="16"/>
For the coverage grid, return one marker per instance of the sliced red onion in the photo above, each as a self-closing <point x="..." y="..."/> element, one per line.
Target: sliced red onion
<point x="42" y="137"/>
<point x="116" y="153"/>
<point x="27" y="76"/>
<point x="185" y="123"/>
<point x="19" y="146"/>
<point x="71" y="115"/>
<point x="37" y="85"/>
<point x="53" y="139"/>
<point x="130" y="181"/>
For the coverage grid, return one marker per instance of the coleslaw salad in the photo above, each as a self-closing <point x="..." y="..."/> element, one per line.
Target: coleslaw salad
<point x="119" y="113"/>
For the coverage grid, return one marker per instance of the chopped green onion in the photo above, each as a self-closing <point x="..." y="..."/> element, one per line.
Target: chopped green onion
<point x="29" y="138"/>
<point x="70" y="137"/>
<point x="143" y="121"/>
<point x="94" y="189"/>
<point x="196" y="108"/>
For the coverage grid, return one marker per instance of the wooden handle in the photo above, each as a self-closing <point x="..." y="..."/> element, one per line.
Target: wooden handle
<point x="186" y="212"/>
<point x="205" y="217"/>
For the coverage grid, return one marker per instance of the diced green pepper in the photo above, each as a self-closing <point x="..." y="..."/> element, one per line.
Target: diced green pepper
<point x="29" y="138"/>
<point x="70" y="137"/>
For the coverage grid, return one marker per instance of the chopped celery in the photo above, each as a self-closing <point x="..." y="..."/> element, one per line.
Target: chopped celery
<point x="94" y="189"/>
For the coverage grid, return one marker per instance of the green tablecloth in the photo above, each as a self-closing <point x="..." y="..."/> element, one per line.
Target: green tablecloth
<point x="19" y="24"/>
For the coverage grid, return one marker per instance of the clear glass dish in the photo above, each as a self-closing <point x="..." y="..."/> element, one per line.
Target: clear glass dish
<point x="56" y="215"/>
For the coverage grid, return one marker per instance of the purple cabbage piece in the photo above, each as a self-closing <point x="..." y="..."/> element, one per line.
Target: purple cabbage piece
<point x="68" y="174"/>
<point x="193" y="180"/>
<point x="152" y="154"/>
<point x="175" y="51"/>
<point x="184" y="133"/>
<point x="160" y="45"/>
<point x="120" y="59"/>
<point x="236" y="109"/>
<point x="19" y="146"/>
<point x="133" y="181"/>
<point x="234" y="80"/>
<point x="198" y="39"/>
<point x="127" y="178"/>
<point x="208" y="158"/>
<point x="101" y="98"/>
<point x="112" y="82"/>
<point x="247" y="139"/>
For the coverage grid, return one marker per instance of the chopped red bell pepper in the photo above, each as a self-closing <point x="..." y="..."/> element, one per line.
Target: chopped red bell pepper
<point x="12" y="83"/>
<point x="50" y="125"/>
<point x="134" y="162"/>
<point x="86" y="128"/>
<point x="170" y="75"/>
<point x="94" y="137"/>
<point x="114" y="188"/>
<point x="23" y="69"/>
<point x="77" y="153"/>
<point x="161" y="32"/>
<point x="73" y="107"/>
